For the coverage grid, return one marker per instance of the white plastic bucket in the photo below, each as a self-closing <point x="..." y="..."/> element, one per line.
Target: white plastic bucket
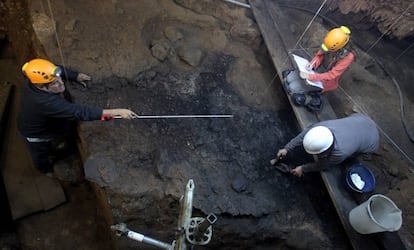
<point x="377" y="214"/>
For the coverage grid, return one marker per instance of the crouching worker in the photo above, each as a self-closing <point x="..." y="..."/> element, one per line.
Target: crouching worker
<point x="332" y="59"/>
<point x="44" y="112"/>
<point x="333" y="142"/>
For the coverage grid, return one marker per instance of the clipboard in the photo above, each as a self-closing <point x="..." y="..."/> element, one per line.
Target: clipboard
<point x="301" y="64"/>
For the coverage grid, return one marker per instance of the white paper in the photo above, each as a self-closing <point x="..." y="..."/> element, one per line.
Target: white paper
<point x="301" y="63"/>
<point x="358" y="182"/>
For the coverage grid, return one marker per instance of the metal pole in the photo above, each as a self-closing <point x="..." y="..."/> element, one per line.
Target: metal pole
<point x="176" y="116"/>
<point x="185" y="215"/>
<point x="150" y="241"/>
<point x="238" y="3"/>
<point x="121" y="229"/>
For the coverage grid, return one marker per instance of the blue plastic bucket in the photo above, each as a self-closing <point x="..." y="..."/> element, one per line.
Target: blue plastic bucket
<point x="365" y="175"/>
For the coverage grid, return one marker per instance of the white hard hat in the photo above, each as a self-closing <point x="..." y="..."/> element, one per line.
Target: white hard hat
<point x="317" y="140"/>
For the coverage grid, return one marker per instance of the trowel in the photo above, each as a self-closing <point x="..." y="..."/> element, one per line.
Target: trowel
<point x="282" y="167"/>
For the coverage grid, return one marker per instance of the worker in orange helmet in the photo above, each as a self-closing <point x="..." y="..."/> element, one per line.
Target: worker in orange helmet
<point x="334" y="55"/>
<point x="45" y="113"/>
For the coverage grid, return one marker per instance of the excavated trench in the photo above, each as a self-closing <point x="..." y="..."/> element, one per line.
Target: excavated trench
<point x="138" y="169"/>
<point x="228" y="159"/>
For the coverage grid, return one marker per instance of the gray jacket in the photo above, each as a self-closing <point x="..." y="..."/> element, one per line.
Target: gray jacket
<point x="353" y="135"/>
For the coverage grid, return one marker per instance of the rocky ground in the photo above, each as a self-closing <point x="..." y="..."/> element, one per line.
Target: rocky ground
<point x="207" y="57"/>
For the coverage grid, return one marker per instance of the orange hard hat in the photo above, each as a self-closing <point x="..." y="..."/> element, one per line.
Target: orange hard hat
<point x="336" y="39"/>
<point x="41" y="71"/>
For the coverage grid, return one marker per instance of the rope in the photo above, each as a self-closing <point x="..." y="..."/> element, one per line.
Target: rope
<point x="402" y="53"/>
<point x="271" y="81"/>
<point x="389" y="28"/>
<point x="310" y="23"/>
<point x="57" y="37"/>
<point x="297" y="43"/>
<point x="379" y="128"/>
<point x="402" y="113"/>
<point x="300" y="38"/>
<point x="394" y="81"/>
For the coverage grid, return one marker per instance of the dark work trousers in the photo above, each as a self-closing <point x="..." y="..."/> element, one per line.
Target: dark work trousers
<point x="40" y="152"/>
<point x="45" y="153"/>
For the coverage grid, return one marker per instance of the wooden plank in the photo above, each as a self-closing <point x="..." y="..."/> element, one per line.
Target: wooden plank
<point x="279" y="55"/>
<point x="272" y="23"/>
<point x="28" y="191"/>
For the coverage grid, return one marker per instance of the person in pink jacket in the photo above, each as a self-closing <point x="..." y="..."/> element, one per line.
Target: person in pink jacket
<point x="334" y="56"/>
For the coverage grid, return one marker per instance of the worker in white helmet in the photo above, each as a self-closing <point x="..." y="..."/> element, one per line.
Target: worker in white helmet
<point x="333" y="142"/>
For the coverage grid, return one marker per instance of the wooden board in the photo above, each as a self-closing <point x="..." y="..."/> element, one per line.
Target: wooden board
<point x="278" y="53"/>
<point x="273" y="25"/>
<point x="28" y="191"/>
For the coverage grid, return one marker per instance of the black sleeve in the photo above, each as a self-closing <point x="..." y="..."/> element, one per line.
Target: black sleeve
<point x="68" y="74"/>
<point x="322" y="164"/>
<point x="58" y="107"/>
<point x="297" y="141"/>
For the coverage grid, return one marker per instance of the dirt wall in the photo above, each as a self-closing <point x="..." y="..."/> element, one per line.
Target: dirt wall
<point x="19" y="29"/>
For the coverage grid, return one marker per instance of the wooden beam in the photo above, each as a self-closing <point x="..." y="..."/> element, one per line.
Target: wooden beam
<point x="28" y="190"/>
<point x="277" y="50"/>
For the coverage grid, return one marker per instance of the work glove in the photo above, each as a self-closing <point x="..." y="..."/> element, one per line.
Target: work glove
<point x="303" y="75"/>
<point x="82" y="78"/>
